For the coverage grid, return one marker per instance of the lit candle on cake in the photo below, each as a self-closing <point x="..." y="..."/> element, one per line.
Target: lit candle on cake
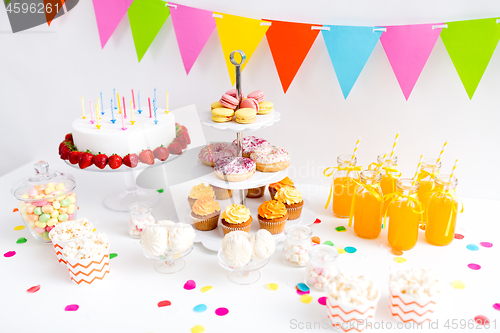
<point x="102" y="105"/>
<point x="149" y="102"/>
<point x="83" y="109"/>
<point x="124" y="109"/>
<point x="91" y="114"/>
<point x="139" y="102"/>
<point x="97" y="114"/>
<point x="133" y="100"/>
<point x="132" y="112"/>
<point x="112" y="113"/>
<point x="166" y="105"/>
<point x="119" y="106"/>
<point x="154" y="108"/>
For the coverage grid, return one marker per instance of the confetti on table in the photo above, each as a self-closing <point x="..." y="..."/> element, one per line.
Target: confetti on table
<point x="200" y="308"/>
<point x="113" y="255"/>
<point x="93" y="230"/>
<point x="341" y="228"/>
<point x="205" y="289"/>
<point x="315" y="240"/>
<point x="481" y="320"/>
<point x="496" y="306"/>
<point x="272" y="286"/>
<point x="197" y="329"/>
<point x="190" y="285"/>
<point x="164" y="303"/>
<point x="302" y="287"/>
<point x="306" y="299"/>
<point x="396" y="252"/>
<point x="9" y="254"/>
<point x="71" y="307"/>
<point x="474" y="266"/>
<point x="329" y="243"/>
<point x="160" y="190"/>
<point x="21" y="240"/>
<point x="472" y="247"/>
<point x="221" y="311"/>
<point x="34" y="289"/>
<point x="350" y="249"/>
<point x="459" y="236"/>
<point x="322" y="300"/>
<point x="340" y="250"/>
<point x="486" y="244"/>
<point x="15" y="210"/>
<point x="303" y="292"/>
<point x="399" y="260"/>
<point x="457" y="284"/>
<point x="19" y="227"/>
<point x="317" y="221"/>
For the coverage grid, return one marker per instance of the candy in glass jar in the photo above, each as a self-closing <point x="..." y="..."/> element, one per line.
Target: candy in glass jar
<point x="322" y="266"/>
<point x="297" y="243"/>
<point x="140" y="218"/>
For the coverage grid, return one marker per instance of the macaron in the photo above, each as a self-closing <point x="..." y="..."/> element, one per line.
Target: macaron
<point x="246" y="115"/>
<point x="258" y="95"/>
<point x="222" y="115"/>
<point x="249" y="103"/>
<point x="216" y="105"/>
<point x="265" y="107"/>
<point x="232" y="92"/>
<point x="229" y="101"/>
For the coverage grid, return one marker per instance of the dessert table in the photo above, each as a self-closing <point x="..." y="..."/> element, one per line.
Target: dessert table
<point x="127" y="299"/>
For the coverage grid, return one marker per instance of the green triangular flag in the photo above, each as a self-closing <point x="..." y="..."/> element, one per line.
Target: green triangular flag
<point x="470" y="45"/>
<point x="146" y="19"/>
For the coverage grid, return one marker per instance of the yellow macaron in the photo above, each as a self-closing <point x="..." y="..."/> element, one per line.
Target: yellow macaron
<point x="246" y="115"/>
<point x="216" y="105"/>
<point x="222" y="115"/>
<point x="266" y="107"/>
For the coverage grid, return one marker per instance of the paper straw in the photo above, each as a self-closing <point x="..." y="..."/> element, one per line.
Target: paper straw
<point x="441" y="153"/>
<point x="355" y="149"/>
<point x="383" y="161"/>
<point x="394" y="146"/>
<point x="83" y="109"/>
<point x="418" y="170"/>
<point x="453" y="170"/>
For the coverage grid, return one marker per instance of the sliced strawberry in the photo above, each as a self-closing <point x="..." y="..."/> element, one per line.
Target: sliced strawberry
<point x="175" y="148"/>
<point x="100" y="160"/>
<point x="182" y="141"/>
<point x="74" y="157"/>
<point x="86" y="160"/>
<point x="69" y="137"/>
<point x="65" y="152"/>
<point x="147" y="157"/>
<point x="114" y="161"/>
<point x="131" y="160"/>
<point x="161" y="153"/>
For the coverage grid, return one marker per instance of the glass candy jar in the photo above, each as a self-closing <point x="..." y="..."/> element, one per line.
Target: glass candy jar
<point x="297" y="243"/>
<point x="140" y="218"/>
<point x="322" y="266"/>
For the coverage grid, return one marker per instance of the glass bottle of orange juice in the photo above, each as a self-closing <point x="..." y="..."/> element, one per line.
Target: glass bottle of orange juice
<point x="405" y="212"/>
<point x="430" y="168"/>
<point x="367" y="205"/>
<point x="344" y="185"/>
<point x="442" y="211"/>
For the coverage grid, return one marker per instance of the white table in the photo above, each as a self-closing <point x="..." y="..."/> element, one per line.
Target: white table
<point x="126" y="300"/>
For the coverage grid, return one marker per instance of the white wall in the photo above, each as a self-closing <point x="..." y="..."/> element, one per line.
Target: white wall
<point x="44" y="71"/>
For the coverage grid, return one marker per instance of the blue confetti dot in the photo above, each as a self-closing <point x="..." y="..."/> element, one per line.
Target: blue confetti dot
<point x="473" y="247"/>
<point x="302" y="287"/>
<point x="350" y="249"/>
<point x="200" y="308"/>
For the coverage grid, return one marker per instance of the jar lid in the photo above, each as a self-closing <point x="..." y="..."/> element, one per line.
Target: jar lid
<point x="298" y="232"/>
<point x="42" y="178"/>
<point x="323" y="253"/>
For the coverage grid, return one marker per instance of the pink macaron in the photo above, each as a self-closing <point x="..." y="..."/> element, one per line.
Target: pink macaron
<point x="249" y="103"/>
<point x="229" y="101"/>
<point x="258" y="95"/>
<point x="232" y="92"/>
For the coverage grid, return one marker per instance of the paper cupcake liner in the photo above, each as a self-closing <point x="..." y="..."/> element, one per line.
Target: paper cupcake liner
<point x="256" y="192"/>
<point x="350" y="318"/>
<point x="273" y="227"/>
<point x="87" y="271"/>
<point x="206" y="223"/>
<point x="222" y="193"/>
<point x="407" y="308"/>
<point x="235" y="227"/>
<point x="59" y="245"/>
<point x="294" y="212"/>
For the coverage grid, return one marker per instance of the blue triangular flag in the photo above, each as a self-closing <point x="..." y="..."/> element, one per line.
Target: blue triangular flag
<point x="349" y="49"/>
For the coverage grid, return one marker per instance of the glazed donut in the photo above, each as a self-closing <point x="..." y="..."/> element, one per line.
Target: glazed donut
<point x="271" y="159"/>
<point x="250" y="143"/>
<point x="234" y="169"/>
<point x="211" y="153"/>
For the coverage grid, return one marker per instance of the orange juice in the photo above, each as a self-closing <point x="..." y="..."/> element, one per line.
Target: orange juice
<point x="442" y="212"/>
<point x="429" y="169"/>
<point x="404" y="216"/>
<point x="368" y="204"/>
<point x="344" y="186"/>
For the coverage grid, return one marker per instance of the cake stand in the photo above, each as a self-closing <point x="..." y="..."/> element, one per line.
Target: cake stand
<point x="247" y="274"/>
<point x="170" y="263"/>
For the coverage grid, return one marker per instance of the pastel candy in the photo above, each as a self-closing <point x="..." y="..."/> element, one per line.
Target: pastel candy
<point x="49" y="190"/>
<point x="60" y="197"/>
<point x="40" y="203"/>
<point x="40" y="225"/>
<point x="71" y="216"/>
<point x="38" y="211"/>
<point x="47" y="209"/>
<point x="56" y="205"/>
<point x="52" y="222"/>
<point x="48" y="200"/>
<point x="39" y="196"/>
<point x="31" y="225"/>
<point x="66" y="202"/>
<point x="62" y="210"/>
<point x="44" y="218"/>
<point x="60" y="187"/>
<point x="33" y="192"/>
<point x="30" y="209"/>
<point x="46" y="235"/>
<point x="33" y="217"/>
<point x="47" y="228"/>
<point x="38" y="230"/>
<point x="62" y="217"/>
<point x="71" y="209"/>
<point x="25" y="196"/>
<point x="71" y="198"/>
<point x="55" y="213"/>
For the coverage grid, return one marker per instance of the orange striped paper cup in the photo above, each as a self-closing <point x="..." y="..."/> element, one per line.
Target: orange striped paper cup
<point x="87" y="271"/>
<point x="407" y="308"/>
<point x="349" y="317"/>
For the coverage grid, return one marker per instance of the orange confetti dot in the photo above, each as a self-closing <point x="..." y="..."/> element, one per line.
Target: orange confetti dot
<point x="315" y="240"/>
<point x="15" y="210"/>
<point x="397" y="252"/>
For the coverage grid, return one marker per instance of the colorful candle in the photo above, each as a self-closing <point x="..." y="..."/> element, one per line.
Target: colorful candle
<point x="97" y="114"/>
<point x="83" y="110"/>
<point x="154" y="97"/>
<point x="102" y="105"/>
<point x="114" y="94"/>
<point x="133" y="98"/>
<point x="149" y="102"/>
<point x="166" y="105"/>
<point x="124" y="110"/>
<point x="154" y="109"/>
<point x="112" y="113"/>
<point x="119" y="105"/>
<point x="132" y="112"/>
<point x="123" y="120"/>
<point x="91" y="114"/>
<point x="139" y="102"/>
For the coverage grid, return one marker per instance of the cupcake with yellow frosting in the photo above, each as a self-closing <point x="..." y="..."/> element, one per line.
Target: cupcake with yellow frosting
<point x="273" y="216"/>
<point x="274" y="187"/>
<point x="236" y="217"/>
<point x="199" y="191"/>
<point x="292" y="199"/>
<point x="205" y="213"/>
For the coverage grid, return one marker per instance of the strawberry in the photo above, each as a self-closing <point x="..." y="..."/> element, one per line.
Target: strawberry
<point x="114" y="161"/>
<point x="69" y="137"/>
<point x="100" y="160"/>
<point x="65" y="152"/>
<point x="86" y="160"/>
<point x="183" y="128"/>
<point x="161" y="153"/>
<point x="185" y="134"/>
<point x="175" y="148"/>
<point x="182" y="141"/>
<point x="131" y="160"/>
<point x="74" y="157"/>
<point x="147" y="157"/>
<point x="61" y="145"/>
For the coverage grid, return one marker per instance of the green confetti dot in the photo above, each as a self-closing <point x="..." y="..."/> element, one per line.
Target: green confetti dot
<point x="329" y="243"/>
<point x="21" y="240"/>
<point x="341" y="228"/>
<point x="160" y="190"/>
<point x="113" y="255"/>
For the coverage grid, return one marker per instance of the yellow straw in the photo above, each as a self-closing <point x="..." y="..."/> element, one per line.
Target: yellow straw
<point x="119" y="106"/>
<point x="83" y="110"/>
<point x="355" y="149"/>
<point x="383" y="161"/>
<point x="418" y="170"/>
<point x="441" y="153"/>
<point x="97" y="114"/>
<point x="453" y="170"/>
<point x="394" y="146"/>
<point x="132" y="112"/>
<point x="166" y="105"/>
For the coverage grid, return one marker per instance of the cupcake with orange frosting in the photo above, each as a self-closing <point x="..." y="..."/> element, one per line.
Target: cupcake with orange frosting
<point x="205" y="213"/>
<point x="273" y="216"/>
<point x="199" y="191"/>
<point x="274" y="187"/>
<point x="292" y="199"/>
<point x="236" y="217"/>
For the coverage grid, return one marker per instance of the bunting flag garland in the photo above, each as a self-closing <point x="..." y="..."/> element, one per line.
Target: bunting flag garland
<point x="108" y="14"/>
<point x="470" y="45"/>
<point x="289" y="43"/>
<point x="146" y="19"/>
<point x="349" y="49"/>
<point x="192" y="27"/>
<point x="238" y="33"/>
<point x="56" y="9"/>
<point x="408" y="47"/>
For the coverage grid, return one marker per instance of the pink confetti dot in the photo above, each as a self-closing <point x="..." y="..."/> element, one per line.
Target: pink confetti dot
<point x="71" y="307"/>
<point x="164" y="303"/>
<point x="190" y="285"/>
<point x="303" y="292"/>
<point x="481" y="320"/>
<point x="33" y="289"/>
<point x="322" y="300"/>
<point x="474" y="266"/>
<point x="9" y="254"/>
<point x="221" y="311"/>
<point x="458" y="236"/>
<point x="496" y="306"/>
<point x="486" y="244"/>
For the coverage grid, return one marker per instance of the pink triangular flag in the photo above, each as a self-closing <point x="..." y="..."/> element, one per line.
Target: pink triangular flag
<point x="108" y="14"/>
<point x="192" y="27"/>
<point x="408" y="47"/>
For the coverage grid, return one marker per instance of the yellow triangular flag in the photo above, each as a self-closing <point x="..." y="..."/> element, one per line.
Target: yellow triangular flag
<point x="238" y="33"/>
